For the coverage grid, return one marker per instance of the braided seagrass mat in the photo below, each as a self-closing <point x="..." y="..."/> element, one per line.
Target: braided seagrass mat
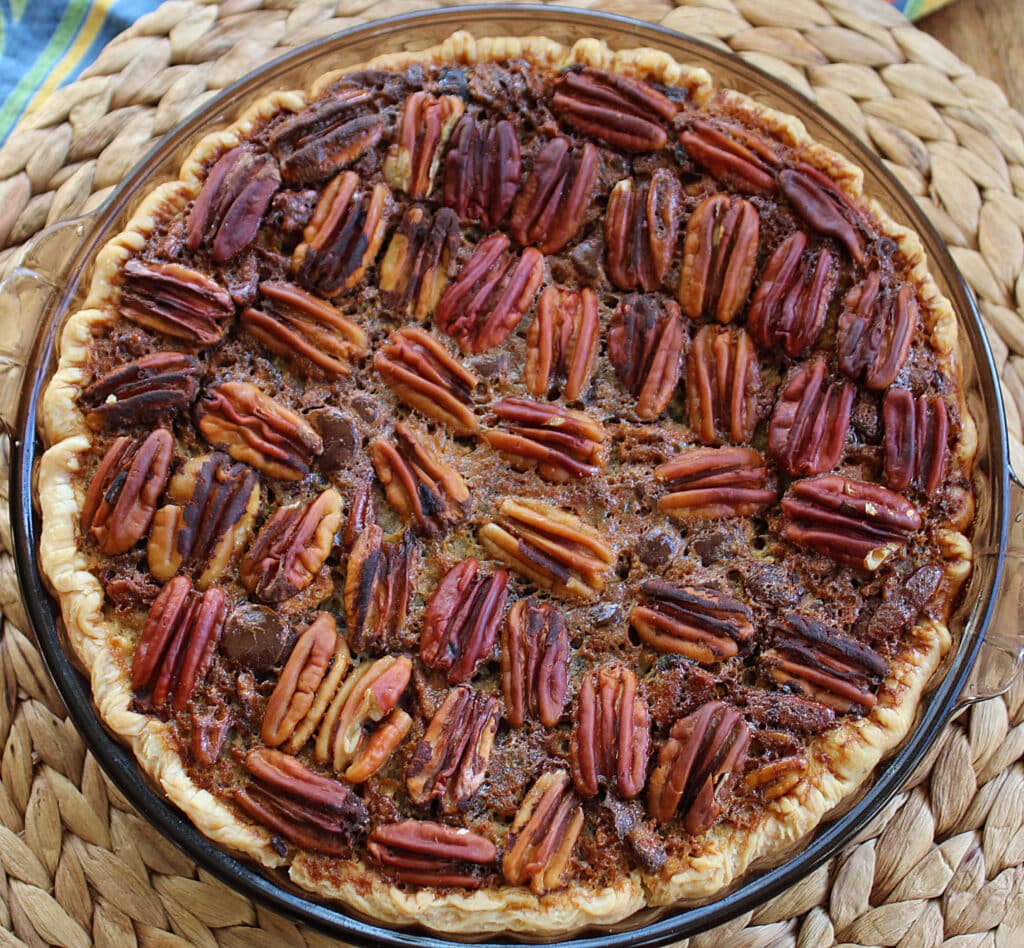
<point x="942" y="864"/>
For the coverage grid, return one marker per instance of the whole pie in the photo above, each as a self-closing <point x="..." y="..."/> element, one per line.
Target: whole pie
<point x="509" y="485"/>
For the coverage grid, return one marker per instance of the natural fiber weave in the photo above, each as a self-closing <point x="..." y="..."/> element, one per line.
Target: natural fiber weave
<point x="943" y="864"/>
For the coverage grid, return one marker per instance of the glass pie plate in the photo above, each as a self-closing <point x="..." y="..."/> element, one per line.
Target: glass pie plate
<point x="49" y="281"/>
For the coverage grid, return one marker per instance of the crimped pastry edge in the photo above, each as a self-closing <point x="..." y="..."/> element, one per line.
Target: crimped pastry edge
<point x="841" y="759"/>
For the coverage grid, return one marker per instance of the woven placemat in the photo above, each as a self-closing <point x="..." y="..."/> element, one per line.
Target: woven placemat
<point x="944" y="862"/>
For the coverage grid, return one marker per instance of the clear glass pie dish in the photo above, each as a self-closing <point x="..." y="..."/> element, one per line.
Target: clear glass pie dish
<point x="49" y="283"/>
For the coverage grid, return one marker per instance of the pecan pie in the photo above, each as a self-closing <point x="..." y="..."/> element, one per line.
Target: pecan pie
<point x="509" y="485"/>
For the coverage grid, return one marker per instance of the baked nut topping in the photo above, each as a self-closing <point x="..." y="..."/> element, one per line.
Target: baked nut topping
<point x="534" y="663"/>
<point x="824" y="207"/>
<point x="711" y="483"/>
<point x="419" y="261"/>
<point x="423" y="129"/>
<point x="378" y="586"/>
<point x="147" y="390"/>
<point x="419" y="852"/>
<point x="875" y="332"/>
<point x="482" y="170"/>
<point x="916" y="431"/>
<point x="723" y="380"/>
<point x="641" y="228"/>
<point x="562" y="342"/>
<point x="736" y="156"/>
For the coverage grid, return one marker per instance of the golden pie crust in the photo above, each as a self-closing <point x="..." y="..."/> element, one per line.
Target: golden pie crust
<point x="840" y="760"/>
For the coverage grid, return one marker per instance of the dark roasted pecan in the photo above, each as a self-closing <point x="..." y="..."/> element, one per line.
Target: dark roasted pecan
<point x="377" y="588"/>
<point x="316" y="813"/>
<point x="549" y="546"/>
<point x="822" y="663"/>
<point x="420" y="260"/>
<point x="422" y="487"/>
<point x="556" y="196"/>
<point x="254" y="428"/>
<point x="312" y="335"/>
<point x="543" y="834"/>
<point x="699" y="766"/>
<point x="723" y="380"/>
<point x="641" y="227"/>
<point x="232" y="202"/>
<point x="856" y="523"/>
<point x="559" y="442"/>
<point x="291" y="548"/>
<point x="735" y="156"/>
<point x="482" y="170"/>
<point x="781" y="710"/>
<point x="491" y="294"/>
<point x="714" y="483"/>
<point x="611" y="734"/>
<point x="876" y="330"/>
<point x="701" y="623"/>
<point x="719" y="256"/>
<point x="791" y="302"/>
<point x="450" y="762"/>
<point x="822" y="204"/>
<point x="326" y="136"/>
<point x="208" y="522"/>
<point x="645" y="342"/>
<point x="178" y="642"/>
<point x="175" y="300"/>
<point x="343" y="237"/>
<point x="422" y="853"/>
<point x="562" y="342"/>
<point x="461" y="621"/>
<point x="123" y="493"/>
<point x="153" y="388"/>
<point x="808" y="428"/>
<point x="777" y="777"/>
<point x="916" y="431"/>
<point x="534" y="663"/>
<point x="619" y="110"/>
<point x="424" y="127"/>
<point x="901" y="607"/>
<point x="427" y="377"/>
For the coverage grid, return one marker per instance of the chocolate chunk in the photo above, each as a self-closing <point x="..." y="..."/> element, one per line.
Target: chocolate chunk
<point x="772" y="584"/>
<point x="712" y="547"/>
<point x="365" y="408"/>
<point x="604" y="614"/>
<point x="657" y="548"/>
<point x="254" y="637"/>
<point x="340" y="436"/>
<point x="586" y="258"/>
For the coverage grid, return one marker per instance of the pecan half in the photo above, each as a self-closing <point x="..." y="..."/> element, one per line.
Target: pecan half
<point x="176" y="301"/>
<point x="482" y="170"/>
<point x="208" y="522"/>
<point x="234" y="197"/>
<point x="611" y="734"/>
<point x="619" y="110"/>
<point x="422" y="487"/>
<point x="377" y="588"/>
<point x="916" y="432"/>
<point x="326" y="136"/>
<point x="420" y="260"/>
<point x="777" y="777"/>
<point x="313" y="812"/>
<point x="723" y="379"/>
<point x="701" y="623"/>
<point x="291" y="548"/>
<point x="178" y="642"/>
<point x="809" y="424"/>
<point x="641" y="227"/>
<point x="875" y="331"/>
<point x="450" y="762"/>
<point x="461" y="620"/>
<point x="825" y="207"/>
<point x="543" y="834"/>
<point x="699" y="767"/>
<point x="124" y="490"/>
<point x="426" y="376"/>
<point x="719" y="256"/>
<point x="822" y="663"/>
<point x="343" y="237"/>
<point x="854" y="522"/>
<point x="491" y="294"/>
<point x="549" y="546"/>
<point x="645" y="341"/>
<point x="562" y="342"/>
<point x="254" y="428"/>
<point x="312" y="335"/>
<point x="425" y="124"/>
<point x="556" y="196"/>
<point x="147" y="390"/>
<point x="732" y="154"/>
<point x="534" y="663"/>
<point x="559" y="442"/>
<point x="792" y="299"/>
<point x="361" y="514"/>
<point x="422" y="853"/>
<point x="714" y="483"/>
